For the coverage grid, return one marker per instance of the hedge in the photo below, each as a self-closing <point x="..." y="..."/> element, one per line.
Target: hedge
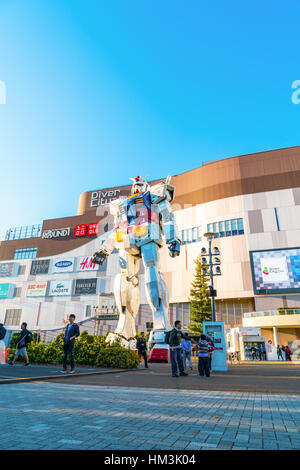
<point x="88" y="350"/>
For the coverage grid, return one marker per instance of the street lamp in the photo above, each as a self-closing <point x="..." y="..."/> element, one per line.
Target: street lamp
<point x="214" y="261"/>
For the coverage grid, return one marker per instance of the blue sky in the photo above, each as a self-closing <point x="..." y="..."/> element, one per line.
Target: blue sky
<point x="100" y="91"/>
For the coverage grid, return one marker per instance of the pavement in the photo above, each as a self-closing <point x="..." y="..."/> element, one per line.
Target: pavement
<point x="261" y="378"/>
<point x="20" y="373"/>
<point x="66" y="416"/>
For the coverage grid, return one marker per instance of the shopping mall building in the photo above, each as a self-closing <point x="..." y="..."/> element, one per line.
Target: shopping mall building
<point x="252" y="204"/>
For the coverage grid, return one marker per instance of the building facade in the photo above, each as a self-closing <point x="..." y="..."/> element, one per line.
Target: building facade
<point x="251" y="203"/>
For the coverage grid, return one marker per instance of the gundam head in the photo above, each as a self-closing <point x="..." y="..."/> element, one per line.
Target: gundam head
<point x="139" y="185"/>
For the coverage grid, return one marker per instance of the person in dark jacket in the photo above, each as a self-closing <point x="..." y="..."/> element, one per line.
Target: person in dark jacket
<point x="141" y="346"/>
<point x="2" y="331"/>
<point x="71" y="332"/>
<point x="21" y="345"/>
<point x="175" y="338"/>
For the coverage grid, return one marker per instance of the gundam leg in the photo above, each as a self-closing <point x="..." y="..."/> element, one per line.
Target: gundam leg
<point x="127" y="296"/>
<point x="156" y="288"/>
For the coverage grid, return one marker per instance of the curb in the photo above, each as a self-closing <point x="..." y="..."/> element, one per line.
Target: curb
<point x="62" y="376"/>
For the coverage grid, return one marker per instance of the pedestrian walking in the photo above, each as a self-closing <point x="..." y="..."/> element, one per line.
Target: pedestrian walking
<point x="288" y="354"/>
<point x="186" y="344"/>
<point x="253" y="353"/>
<point x="262" y="353"/>
<point x="71" y="332"/>
<point x="24" y="338"/>
<point x="2" y="344"/>
<point x="203" y="361"/>
<point x="283" y="352"/>
<point x="279" y="353"/>
<point x="141" y="346"/>
<point x="175" y="339"/>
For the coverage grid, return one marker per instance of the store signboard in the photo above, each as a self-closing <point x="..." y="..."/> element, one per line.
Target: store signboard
<point x="60" y="288"/>
<point x="83" y="229"/>
<point x="86" y="287"/>
<point x="84" y="263"/>
<point x="40" y="266"/>
<point x="9" y="269"/>
<point x="6" y="290"/>
<point x="275" y="271"/>
<point x="36" y="289"/>
<point x="63" y="265"/>
<point x="56" y="233"/>
<point x="249" y="331"/>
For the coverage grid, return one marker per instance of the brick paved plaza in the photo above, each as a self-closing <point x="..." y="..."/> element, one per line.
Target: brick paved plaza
<point x="47" y="415"/>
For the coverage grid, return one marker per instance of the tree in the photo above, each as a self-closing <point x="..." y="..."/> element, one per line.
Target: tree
<point x="200" y="303"/>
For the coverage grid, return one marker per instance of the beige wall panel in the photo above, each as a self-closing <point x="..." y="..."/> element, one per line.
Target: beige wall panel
<point x="280" y="198"/>
<point x="260" y="241"/>
<point x="269" y="220"/>
<point x="247" y="277"/>
<point x="177" y="284"/>
<point x="289" y="217"/>
<point x="260" y="201"/>
<point x="279" y="239"/>
<point x="293" y="238"/>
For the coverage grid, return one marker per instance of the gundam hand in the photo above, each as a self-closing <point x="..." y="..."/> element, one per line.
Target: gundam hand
<point x="99" y="257"/>
<point x="174" y="248"/>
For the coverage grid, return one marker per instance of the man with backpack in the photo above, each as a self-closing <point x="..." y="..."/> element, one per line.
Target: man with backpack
<point x="173" y="338"/>
<point x="24" y="338"/>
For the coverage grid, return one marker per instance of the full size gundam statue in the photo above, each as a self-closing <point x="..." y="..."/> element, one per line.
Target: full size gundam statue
<point x="142" y="222"/>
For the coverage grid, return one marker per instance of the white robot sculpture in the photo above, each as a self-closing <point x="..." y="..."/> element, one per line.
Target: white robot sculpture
<point x="141" y="222"/>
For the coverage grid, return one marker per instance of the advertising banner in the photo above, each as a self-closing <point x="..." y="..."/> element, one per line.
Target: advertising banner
<point x="40" y="266"/>
<point x="86" y="287"/>
<point x="84" y="263"/>
<point x="4" y="290"/>
<point x="59" y="288"/>
<point x="275" y="271"/>
<point x="63" y="265"/>
<point x="36" y="289"/>
<point x="8" y="269"/>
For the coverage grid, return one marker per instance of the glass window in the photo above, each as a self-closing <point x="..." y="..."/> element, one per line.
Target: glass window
<point x="13" y="317"/>
<point x="25" y="253"/>
<point x="234" y="226"/>
<point x="183" y="237"/>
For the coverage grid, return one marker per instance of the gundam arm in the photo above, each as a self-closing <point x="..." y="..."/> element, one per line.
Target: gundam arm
<point x="169" y="228"/>
<point x="100" y="256"/>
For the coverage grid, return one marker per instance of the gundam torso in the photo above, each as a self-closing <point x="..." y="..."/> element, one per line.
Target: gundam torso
<point x="137" y="222"/>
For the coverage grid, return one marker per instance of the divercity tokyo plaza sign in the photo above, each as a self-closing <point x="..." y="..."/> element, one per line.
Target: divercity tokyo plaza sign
<point x="102" y="198"/>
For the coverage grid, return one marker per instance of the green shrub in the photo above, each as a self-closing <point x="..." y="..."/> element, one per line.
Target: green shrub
<point x="88" y="350"/>
<point x="116" y="356"/>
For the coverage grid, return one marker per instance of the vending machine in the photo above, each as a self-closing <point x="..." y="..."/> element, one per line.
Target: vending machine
<point x="215" y="331"/>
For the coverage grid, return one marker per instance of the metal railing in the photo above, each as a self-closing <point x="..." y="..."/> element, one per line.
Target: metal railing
<point x="267" y="313"/>
<point x="26" y="231"/>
